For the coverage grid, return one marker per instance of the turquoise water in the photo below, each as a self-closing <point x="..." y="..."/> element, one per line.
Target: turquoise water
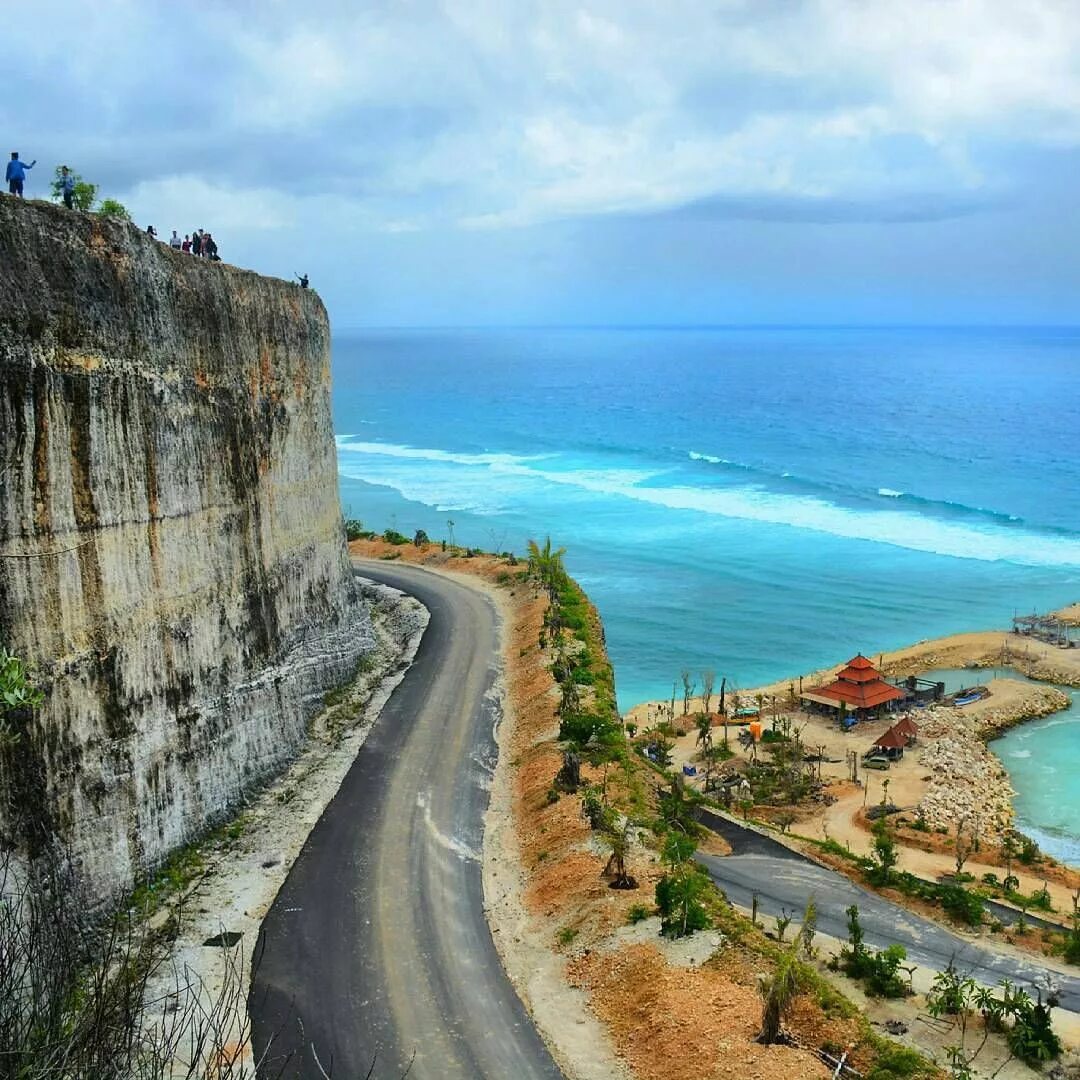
<point x="757" y="502"/>
<point x="1042" y="759"/>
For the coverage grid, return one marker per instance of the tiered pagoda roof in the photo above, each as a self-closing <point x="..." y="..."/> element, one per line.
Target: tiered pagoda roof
<point x="859" y="686"/>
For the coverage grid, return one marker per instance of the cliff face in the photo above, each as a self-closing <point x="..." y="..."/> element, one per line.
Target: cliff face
<point x="167" y="457"/>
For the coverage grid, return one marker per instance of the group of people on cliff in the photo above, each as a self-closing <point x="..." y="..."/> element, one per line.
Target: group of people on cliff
<point x="199" y="243"/>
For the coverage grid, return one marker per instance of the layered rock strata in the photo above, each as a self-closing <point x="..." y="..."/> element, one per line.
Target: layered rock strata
<point x="171" y="550"/>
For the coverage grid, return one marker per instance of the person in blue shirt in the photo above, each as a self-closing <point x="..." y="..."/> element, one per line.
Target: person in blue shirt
<point x="67" y="187"/>
<point x="16" y="173"/>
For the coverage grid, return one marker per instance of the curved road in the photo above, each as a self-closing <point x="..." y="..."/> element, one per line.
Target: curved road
<point x="783" y="879"/>
<point x="377" y="948"/>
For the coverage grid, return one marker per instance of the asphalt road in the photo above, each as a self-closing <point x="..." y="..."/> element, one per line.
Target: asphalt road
<point x="784" y="880"/>
<point x="377" y="948"/>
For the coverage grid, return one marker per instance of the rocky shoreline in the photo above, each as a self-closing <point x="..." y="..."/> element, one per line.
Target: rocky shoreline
<point x="968" y="782"/>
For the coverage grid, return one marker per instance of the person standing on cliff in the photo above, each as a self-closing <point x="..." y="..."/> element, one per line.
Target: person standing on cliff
<point x="174" y="241"/>
<point x="196" y="242"/>
<point x="16" y="173"/>
<point x="185" y="247"/>
<point x="67" y="187"/>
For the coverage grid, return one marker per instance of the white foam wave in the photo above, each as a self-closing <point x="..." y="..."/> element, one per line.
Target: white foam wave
<point x="890" y="493"/>
<point x="695" y="456"/>
<point x="507" y="478"/>
<point x="419" y="454"/>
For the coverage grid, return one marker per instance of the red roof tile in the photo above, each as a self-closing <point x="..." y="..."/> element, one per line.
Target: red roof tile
<point x="892" y="740"/>
<point x="906" y="726"/>
<point x="868" y="695"/>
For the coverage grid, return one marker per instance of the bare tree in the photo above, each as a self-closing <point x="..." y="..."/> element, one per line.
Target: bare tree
<point x="101" y="1000"/>
<point x="723" y="709"/>
<point x="77" y="999"/>
<point x="708" y="680"/>
<point x="687" y="690"/>
<point x="964" y="846"/>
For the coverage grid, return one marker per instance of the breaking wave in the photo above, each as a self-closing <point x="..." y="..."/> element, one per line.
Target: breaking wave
<point x="491" y="483"/>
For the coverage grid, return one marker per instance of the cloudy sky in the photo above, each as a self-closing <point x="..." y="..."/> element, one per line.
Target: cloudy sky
<point x="474" y="162"/>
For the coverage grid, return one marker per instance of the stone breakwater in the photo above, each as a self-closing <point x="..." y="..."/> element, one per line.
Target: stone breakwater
<point x="171" y="552"/>
<point x="967" y="781"/>
<point x="1043" y="668"/>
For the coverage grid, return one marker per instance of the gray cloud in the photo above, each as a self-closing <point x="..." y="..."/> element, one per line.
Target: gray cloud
<point x="825" y="210"/>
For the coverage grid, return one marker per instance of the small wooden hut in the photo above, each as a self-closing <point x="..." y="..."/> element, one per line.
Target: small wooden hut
<point x="891" y="744"/>
<point x="908" y="728"/>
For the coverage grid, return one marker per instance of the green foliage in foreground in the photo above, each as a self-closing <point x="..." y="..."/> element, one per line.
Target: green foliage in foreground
<point x="895" y="1062"/>
<point x="17" y="693"/>
<point x="1026" y="1022"/>
<point x="679" y="896"/>
<point x="878" y="970"/>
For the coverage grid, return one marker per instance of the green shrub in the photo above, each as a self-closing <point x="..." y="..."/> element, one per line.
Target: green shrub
<point x="895" y="1062"/>
<point x="679" y="896"/>
<point x="18" y="696"/>
<point x="112" y="209"/>
<point x="1040" y="900"/>
<point x="597" y="812"/>
<point x="1032" y="1038"/>
<point x="84" y="194"/>
<point x="1071" y="951"/>
<point x="1029" y="851"/>
<point x="960" y="904"/>
<point x="879" y="971"/>
<point x="392" y="536"/>
<point x="638" y="913"/>
<point x="581" y="727"/>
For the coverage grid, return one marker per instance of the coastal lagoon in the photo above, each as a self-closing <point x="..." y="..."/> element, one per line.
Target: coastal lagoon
<point x="1043" y="761"/>
<point x="757" y="502"/>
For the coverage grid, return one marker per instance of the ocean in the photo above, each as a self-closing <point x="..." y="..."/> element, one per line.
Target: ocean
<point x="756" y="502"/>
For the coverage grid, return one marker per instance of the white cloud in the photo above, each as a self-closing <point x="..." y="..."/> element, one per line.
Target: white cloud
<point x="193" y="203"/>
<point x="495" y="112"/>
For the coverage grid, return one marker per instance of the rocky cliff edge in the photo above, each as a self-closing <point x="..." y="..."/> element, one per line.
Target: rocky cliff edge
<point x="171" y="550"/>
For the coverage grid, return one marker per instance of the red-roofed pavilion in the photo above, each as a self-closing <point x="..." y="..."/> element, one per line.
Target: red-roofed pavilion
<point x="908" y="728"/>
<point x="859" y="686"/>
<point x="892" y="742"/>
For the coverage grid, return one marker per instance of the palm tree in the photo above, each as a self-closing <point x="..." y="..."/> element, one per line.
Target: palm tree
<point x="546" y="566"/>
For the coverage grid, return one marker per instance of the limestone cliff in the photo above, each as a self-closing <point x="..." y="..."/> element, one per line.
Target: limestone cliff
<point x="167" y="458"/>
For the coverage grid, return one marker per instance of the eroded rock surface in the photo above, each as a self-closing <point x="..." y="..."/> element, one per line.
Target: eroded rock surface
<point x="165" y="433"/>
